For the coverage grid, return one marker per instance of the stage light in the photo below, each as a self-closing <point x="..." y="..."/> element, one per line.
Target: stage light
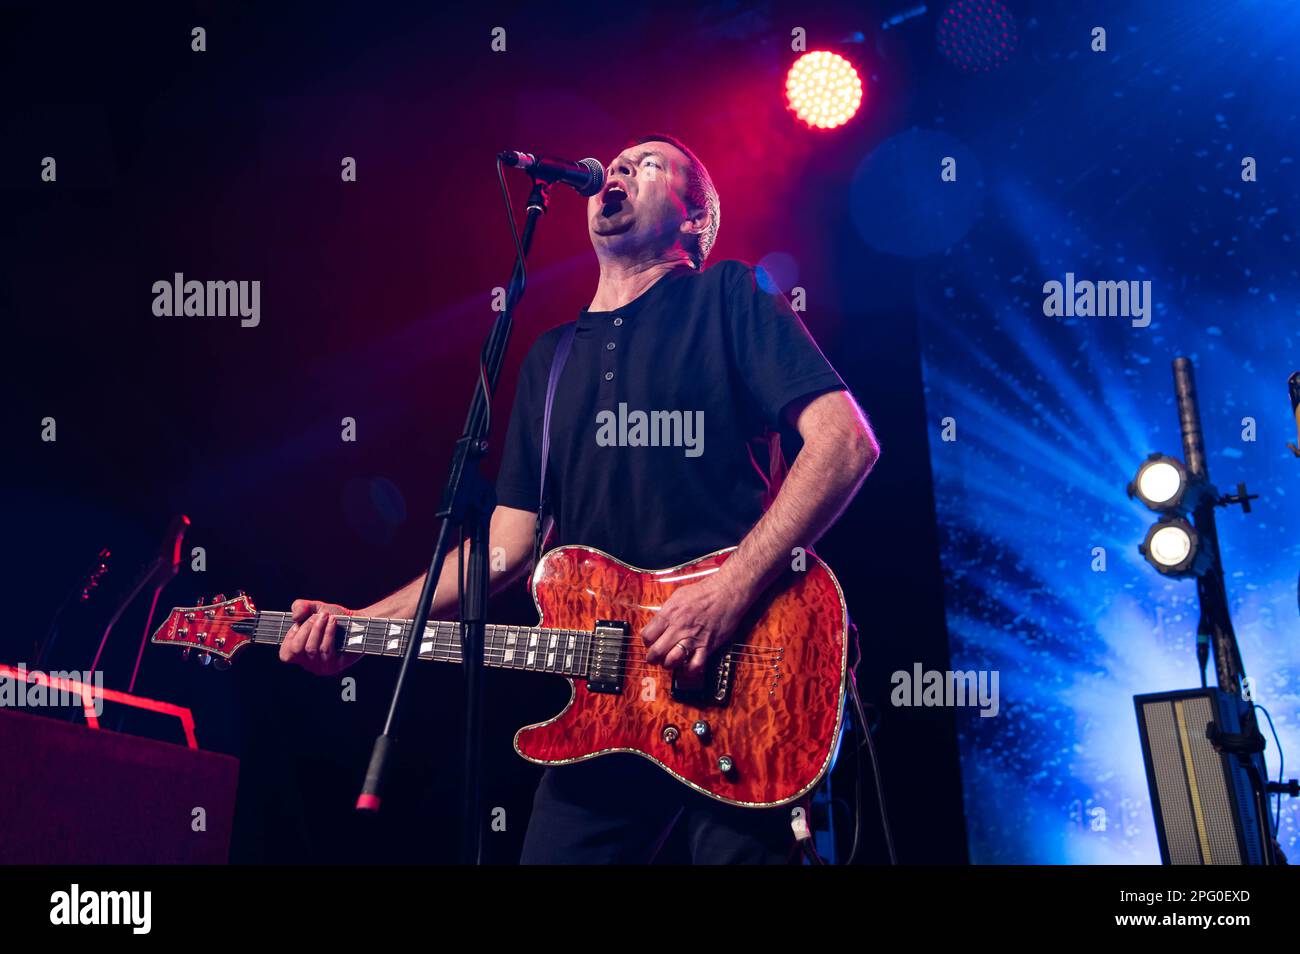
<point x="1159" y="480"/>
<point x="1163" y="485"/>
<point x="977" y="36"/>
<point x="823" y="89"/>
<point x="1173" y="547"/>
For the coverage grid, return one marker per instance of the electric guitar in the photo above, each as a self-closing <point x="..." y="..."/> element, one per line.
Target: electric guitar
<point x="759" y="732"/>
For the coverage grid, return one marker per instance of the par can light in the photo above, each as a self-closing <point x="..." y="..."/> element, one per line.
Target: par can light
<point x="1173" y="547"/>
<point x="1163" y="484"/>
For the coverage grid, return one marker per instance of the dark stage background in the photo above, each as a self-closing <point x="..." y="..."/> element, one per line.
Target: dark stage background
<point x="375" y="296"/>
<point x="926" y="295"/>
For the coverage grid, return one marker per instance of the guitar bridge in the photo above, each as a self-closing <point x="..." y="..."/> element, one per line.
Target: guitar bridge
<point x="715" y="688"/>
<point x="608" y="656"/>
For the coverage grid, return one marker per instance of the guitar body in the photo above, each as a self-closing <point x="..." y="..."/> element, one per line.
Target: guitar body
<point x="772" y="702"/>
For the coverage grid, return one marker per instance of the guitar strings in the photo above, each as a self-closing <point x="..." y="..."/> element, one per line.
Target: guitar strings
<point x="448" y="645"/>
<point x="439" y="625"/>
<point x="495" y="656"/>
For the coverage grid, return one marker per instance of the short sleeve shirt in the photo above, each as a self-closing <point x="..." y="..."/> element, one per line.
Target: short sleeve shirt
<point x="658" y="414"/>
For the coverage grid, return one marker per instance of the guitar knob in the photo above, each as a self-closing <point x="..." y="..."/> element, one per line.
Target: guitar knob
<point x="726" y="765"/>
<point x="701" y="729"/>
<point x="670" y="734"/>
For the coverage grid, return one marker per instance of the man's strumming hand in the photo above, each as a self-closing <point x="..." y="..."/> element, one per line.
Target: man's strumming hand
<point x="693" y="623"/>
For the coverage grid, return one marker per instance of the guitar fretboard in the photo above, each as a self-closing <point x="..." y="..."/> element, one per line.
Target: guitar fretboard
<point x="563" y="651"/>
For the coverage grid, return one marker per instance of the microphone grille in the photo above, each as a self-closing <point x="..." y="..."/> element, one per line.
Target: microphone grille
<point x="597" y="177"/>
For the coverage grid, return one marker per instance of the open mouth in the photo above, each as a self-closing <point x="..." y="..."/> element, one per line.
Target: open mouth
<point x="613" y="200"/>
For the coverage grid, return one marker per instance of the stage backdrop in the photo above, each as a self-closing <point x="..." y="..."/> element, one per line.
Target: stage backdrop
<point x="1124" y="165"/>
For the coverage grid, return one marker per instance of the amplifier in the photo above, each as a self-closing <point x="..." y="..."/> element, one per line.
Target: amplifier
<point x="70" y="794"/>
<point x="1204" y="808"/>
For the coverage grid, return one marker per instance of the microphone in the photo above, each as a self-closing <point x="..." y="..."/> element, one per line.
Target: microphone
<point x="586" y="175"/>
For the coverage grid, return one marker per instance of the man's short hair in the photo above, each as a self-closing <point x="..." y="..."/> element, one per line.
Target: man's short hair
<point x="700" y="194"/>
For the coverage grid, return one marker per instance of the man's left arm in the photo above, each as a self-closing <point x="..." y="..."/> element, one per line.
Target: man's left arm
<point x="838" y="452"/>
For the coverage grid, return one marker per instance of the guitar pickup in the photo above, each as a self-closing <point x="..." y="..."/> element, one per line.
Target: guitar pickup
<point x="608" y="656"/>
<point x="715" y="688"/>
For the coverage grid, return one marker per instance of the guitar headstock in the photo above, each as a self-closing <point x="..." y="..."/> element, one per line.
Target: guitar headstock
<point x="216" y="631"/>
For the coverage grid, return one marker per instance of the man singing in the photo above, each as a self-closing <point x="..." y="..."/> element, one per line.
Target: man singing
<point x="662" y="333"/>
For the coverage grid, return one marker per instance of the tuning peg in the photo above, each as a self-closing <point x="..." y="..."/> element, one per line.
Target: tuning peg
<point x="205" y="659"/>
<point x="200" y="601"/>
<point x="219" y="598"/>
<point x="185" y="653"/>
<point x="220" y="663"/>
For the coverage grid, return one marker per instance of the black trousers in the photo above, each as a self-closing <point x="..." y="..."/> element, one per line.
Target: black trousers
<point x="619" y="809"/>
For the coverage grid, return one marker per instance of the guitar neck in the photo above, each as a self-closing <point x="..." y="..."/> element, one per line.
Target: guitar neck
<point x="563" y="651"/>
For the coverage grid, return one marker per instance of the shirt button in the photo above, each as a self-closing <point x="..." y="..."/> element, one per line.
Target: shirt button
<point x="617" y="322"/>
<point x="609" y="375"/>
<point x="609" y="346"/>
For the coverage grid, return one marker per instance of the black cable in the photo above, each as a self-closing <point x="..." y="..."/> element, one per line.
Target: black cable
<point x="1203" y="646"/>
<point x="858" y="785"/>
<point x="1276" y="820"/>
<point x="810" y="852"/>
<point x="857" y="749"/>
<point x="868" y="742"/>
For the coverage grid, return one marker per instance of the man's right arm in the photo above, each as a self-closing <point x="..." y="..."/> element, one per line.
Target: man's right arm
<point x="311" y="644"/>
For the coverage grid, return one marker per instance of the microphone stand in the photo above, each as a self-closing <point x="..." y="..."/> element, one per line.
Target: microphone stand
<point x="78" y="594"/>
<point x="468" y="500"/>
<point x="157" y="574"/>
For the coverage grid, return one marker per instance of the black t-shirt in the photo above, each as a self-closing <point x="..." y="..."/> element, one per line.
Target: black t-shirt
<point x="661" y="417"/>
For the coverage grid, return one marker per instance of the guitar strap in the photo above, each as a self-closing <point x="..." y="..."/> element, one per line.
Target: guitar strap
<point x="562" y="347"/>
